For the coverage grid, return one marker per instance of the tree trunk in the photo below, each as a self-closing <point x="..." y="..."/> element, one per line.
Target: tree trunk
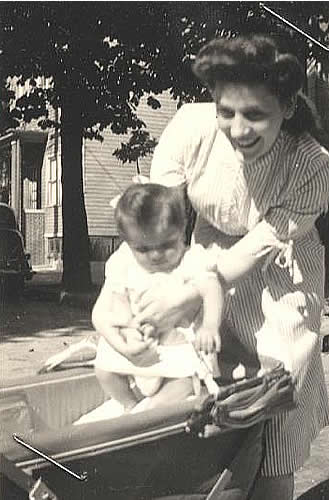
<point x="76" y="267"/>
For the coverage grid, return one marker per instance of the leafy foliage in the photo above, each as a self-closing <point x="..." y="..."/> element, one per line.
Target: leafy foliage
<point x="111" y="54"/>
<point x="96" y="60"/>
<point x="139" y="145"/>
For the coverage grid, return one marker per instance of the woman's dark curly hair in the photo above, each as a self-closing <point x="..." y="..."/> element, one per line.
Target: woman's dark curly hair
<point x="256" y="59"/>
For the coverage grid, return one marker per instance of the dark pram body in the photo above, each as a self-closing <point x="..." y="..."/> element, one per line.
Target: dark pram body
<point x="142" y="456"/>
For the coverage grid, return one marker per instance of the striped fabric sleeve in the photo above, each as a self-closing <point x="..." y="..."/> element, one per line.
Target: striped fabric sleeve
<point x="302" y="204"/>
<point x="178" y="141"/>
<point x="272" y="237"/>
<point x="168" y="159"/>
<point x="244" y="255"/>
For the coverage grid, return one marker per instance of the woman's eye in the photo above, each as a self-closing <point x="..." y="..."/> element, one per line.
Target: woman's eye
<point x="254" y="116"/>
<point x="225" y="113"/>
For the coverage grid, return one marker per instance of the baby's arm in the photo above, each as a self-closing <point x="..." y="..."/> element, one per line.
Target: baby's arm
<point x="111" y="312"/>
<point x="213" y="296"/>
<point x="112" y="318"/>
<point x="105" y="321"/>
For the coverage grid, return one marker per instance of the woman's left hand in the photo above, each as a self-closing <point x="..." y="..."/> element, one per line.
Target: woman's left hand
<point x="166" y="305"/>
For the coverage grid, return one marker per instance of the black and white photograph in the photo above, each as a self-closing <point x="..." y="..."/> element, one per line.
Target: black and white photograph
<point x="164" y="250"/>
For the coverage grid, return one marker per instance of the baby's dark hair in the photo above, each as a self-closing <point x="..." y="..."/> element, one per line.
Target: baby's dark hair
<point x="256" y="59"/>
<point x="150" y="207"/>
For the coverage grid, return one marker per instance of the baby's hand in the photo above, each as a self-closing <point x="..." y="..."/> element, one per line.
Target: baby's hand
<point x="147" y="330"/>
<point x="207" y="339"/>
<point x="134" y="340"/>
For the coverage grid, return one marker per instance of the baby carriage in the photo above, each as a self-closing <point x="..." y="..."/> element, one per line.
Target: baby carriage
<point x="15" y="264"/>
<point x="159" y="453"/>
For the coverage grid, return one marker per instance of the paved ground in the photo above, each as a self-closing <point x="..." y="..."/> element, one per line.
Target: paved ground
<point x="40" y="327"/>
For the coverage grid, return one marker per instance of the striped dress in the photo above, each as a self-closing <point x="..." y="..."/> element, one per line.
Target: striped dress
<point x="274" y="199"/>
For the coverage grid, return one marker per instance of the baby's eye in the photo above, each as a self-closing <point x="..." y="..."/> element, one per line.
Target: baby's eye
<point x="166" y="246"/>
<point x="142" y="249"/>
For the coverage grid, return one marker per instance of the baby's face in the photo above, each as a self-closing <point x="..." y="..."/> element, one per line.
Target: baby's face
<point x="160" y="252"/>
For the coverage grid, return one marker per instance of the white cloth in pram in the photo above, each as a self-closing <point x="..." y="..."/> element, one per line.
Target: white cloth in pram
<point x="175" y="361"/>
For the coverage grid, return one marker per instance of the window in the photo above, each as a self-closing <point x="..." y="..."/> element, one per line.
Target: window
<point x="59" y="184"/>
<point x="52" y="182"/>
<point x="5" y="176"/>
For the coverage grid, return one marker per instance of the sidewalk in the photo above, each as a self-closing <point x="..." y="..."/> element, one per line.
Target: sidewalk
<point x="43" y="324"/>
<point x="41" y="327"/>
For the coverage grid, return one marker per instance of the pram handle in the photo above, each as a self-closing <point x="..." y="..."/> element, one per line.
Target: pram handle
<point x="244" y="403"/>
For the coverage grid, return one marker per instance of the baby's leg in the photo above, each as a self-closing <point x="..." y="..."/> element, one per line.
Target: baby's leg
<point x="117" y="387"/>
<point x="173" y="389"/>
<point x="148" y="386"/>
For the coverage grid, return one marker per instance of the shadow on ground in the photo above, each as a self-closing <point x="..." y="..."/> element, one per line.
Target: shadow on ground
<point x="42" y="311"/>
<point x="319" y="492"/>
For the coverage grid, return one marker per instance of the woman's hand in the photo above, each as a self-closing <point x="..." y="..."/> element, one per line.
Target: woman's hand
<point x="165" y="305"/>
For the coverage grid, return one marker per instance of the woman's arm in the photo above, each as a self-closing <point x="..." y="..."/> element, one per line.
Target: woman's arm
<point x="193" y="126"/>
<point x="166" y="306"/>
<point x="305" y="198"/>
<point x="247" y="254"/>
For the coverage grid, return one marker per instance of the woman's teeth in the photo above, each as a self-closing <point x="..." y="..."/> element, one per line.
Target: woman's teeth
<point x="246" y="144"/>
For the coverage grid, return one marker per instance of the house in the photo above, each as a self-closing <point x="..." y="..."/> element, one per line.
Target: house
<point x="30" y="180"/>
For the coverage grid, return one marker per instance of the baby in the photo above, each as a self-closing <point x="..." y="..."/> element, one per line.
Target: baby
<point x="151" y="222"/>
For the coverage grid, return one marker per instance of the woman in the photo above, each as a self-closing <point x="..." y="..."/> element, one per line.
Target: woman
<point x="258" y="181"/>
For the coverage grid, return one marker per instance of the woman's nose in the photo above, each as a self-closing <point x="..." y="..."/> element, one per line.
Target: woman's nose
<point x="239" y="127"/>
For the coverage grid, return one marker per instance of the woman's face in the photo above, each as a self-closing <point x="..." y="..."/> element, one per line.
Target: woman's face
<point x="250" y="116"/>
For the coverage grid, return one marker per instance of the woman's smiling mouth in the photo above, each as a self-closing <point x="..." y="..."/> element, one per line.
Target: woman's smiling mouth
<point x="245" y="144"/>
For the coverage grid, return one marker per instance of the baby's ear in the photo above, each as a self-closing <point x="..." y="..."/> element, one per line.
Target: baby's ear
<point x="137" y="179"/>
<point x="114" y="201"/>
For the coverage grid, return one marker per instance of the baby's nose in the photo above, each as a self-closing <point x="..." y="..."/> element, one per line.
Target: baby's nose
<point x="155" y="255"/>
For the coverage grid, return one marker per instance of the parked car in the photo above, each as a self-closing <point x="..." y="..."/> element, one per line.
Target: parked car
<point x="15" y="266"/>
